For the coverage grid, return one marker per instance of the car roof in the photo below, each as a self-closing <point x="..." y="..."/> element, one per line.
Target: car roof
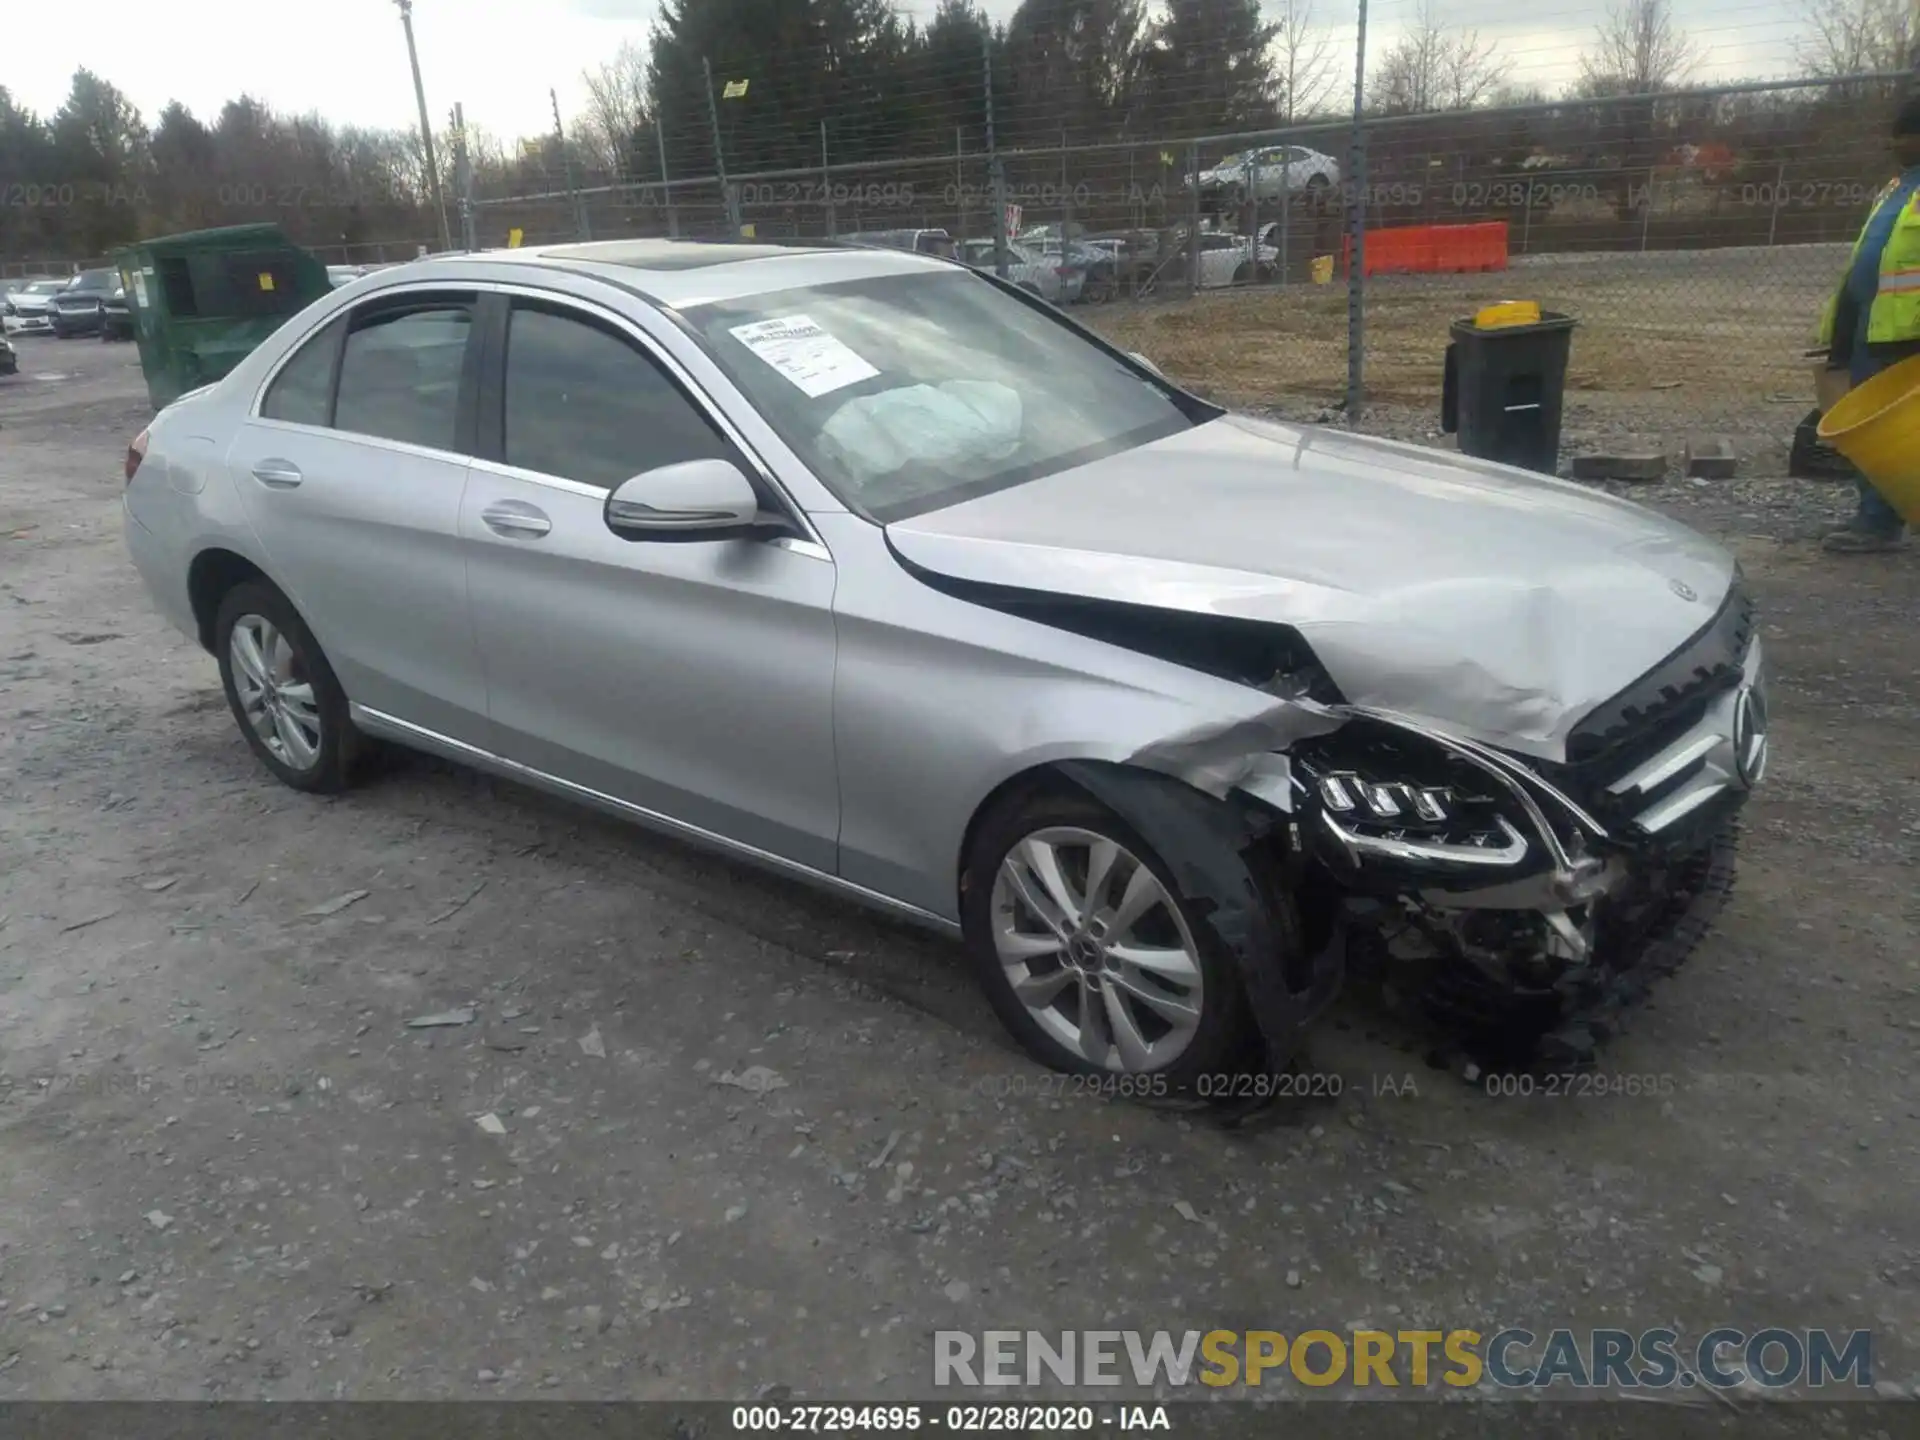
<point x="679" y="273"/>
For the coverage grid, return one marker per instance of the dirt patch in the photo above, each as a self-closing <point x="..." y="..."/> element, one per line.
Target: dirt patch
<point x="1708" y="335"/>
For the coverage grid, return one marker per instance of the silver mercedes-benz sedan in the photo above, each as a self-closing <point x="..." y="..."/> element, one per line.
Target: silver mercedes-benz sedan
<point x="867" y="567"/>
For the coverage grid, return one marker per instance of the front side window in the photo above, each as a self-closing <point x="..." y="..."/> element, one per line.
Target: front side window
<point x="302" y="392"/>
<point x="907" y="393"/>
<point x="585" y="404"/>
<point x="400" y="376"/>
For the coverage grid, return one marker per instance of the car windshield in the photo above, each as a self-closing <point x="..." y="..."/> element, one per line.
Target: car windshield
<point x="93" y="280"/>
<point x="46" y="287"/>
<point x="909" y="393"/>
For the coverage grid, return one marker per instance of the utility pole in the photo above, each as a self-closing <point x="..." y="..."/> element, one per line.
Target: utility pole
<point x="826" y="185"/>
<point x="581" y="230"/>
<point x="426" y="128"/>
<point x="666" y="185"/>
<point x="1357" y="233"/>
<point x="463" y="180"/>
<point x="719" y="157"/>
<point x="996" y="174"/>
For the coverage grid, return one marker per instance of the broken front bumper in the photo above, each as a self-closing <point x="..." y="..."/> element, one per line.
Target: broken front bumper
<point x="1529" y="926"/>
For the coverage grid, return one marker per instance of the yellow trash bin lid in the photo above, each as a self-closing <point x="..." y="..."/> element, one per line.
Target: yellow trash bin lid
<point x="1507" y="312"/>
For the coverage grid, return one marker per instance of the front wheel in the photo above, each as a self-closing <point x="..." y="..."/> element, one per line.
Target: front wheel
<point x="1090" y="953"/>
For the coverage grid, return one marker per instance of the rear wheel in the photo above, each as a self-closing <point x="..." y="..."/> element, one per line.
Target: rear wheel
<point x="289" y="706"/>
<point x="1089" y="952"/>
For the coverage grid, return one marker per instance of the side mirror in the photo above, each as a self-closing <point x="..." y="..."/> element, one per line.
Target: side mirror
<point x="1139" y="359"/>
<point x="696" y="499"/>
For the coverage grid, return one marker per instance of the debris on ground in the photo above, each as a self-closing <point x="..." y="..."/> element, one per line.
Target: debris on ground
<point x="491" y="1123"/>
<point x="462" y="1016"/>
<point x="1644" y="465"/>
<point x="592" y="1044"/>
<point x="757" y="1078"/>
<point x="1711" y="458"/>
<point x="338" y="903"/>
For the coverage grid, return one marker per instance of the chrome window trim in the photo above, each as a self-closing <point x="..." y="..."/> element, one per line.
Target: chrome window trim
<point x="379" y="442"/>
<point x="541" y="478"/>
<point x="392" y="727"/>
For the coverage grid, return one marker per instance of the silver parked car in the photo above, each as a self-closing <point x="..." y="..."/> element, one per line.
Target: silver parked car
<point x="1051" y="277"/>
<point x="1290" y="172"/>
<point x="858" y="565"/>
<point x="28" y="306"/>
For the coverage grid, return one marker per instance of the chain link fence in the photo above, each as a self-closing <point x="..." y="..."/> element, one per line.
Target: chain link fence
<point x="1695" y="234"/>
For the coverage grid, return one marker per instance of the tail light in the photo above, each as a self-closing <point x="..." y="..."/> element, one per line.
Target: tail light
<point x="1065" y="272"/>
<point x="136" y="452"/>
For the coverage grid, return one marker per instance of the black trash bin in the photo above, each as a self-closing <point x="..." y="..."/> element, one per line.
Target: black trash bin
<point x="1503" y="390"/>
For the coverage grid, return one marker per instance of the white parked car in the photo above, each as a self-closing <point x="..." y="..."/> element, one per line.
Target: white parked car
<point x="1049" y="277"/>
<point x="27" y="305"/>
<point x="1233" y="260"/>
<point x="1290" y="170"/>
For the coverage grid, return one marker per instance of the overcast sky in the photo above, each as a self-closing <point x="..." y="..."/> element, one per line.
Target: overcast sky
<point x="348" y="61"/>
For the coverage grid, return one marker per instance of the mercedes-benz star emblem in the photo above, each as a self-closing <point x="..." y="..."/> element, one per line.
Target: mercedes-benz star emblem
<point x="1750" y="734"/>
<point x="1683" y="590"/>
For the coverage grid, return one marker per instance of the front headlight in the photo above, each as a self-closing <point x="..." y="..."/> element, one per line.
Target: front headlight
<point x="1377" y="797"/>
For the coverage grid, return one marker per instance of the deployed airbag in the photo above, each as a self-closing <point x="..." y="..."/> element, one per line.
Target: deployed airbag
<point x="960" y="424"/>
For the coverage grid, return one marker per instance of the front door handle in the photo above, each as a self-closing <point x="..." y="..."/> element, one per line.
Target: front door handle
<point x="516" y="519"/>
<point x="278" y="474"/>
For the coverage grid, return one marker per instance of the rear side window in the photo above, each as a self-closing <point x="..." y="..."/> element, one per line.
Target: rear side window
<point x="400" y="375"/>
<point x="303" y="390"/>
<point x="584" y="404"/>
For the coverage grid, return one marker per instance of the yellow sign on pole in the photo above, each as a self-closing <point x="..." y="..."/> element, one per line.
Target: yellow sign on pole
<point x="747" y="231"/>
<point x="734" y="90"/>
<point x="514" y="237"/>
<point x="266" y="281"/>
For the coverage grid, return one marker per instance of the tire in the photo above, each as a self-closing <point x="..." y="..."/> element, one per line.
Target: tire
<point x="262" y="612"/>
<point x="994" y="915"/>
<point x="1243" y="275"/>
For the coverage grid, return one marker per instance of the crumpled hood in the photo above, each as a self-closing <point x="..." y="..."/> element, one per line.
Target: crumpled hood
<point x="1483" y="600"/>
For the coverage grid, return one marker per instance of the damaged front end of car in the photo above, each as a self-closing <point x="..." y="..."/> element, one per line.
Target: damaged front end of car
<point x="1520" y="906"/>
<point x="1514" y="907"/>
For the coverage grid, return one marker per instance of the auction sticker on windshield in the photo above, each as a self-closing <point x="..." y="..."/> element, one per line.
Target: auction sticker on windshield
<point x="806" y="354"/>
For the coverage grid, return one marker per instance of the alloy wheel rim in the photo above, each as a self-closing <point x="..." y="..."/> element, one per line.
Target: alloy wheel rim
<point x="276" y="694"/>
<point x="1096" y="949"/>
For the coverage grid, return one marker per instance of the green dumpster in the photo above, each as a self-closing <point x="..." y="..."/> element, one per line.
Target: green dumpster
<point x="201" y="301"/>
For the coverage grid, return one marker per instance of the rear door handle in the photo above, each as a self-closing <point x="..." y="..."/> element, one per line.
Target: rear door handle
<point x="516" y="519"/>
<point x="279" y="474"/>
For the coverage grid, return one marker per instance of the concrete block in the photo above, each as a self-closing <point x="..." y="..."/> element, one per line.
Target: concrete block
<point x="1636" y="464"/>
<point x="1712" y="458"/>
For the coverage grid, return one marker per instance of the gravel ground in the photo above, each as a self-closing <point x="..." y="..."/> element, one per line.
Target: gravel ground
<point x="705" y="1133"/>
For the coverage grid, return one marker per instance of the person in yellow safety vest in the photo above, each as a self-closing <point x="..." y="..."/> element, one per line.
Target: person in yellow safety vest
<point x="1874" y="320"/>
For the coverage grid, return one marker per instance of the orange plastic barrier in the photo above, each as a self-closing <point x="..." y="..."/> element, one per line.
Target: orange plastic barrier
<point x="1432" y="249"/>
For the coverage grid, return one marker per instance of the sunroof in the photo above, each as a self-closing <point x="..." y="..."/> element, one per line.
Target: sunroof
<point x="667" y="254"/>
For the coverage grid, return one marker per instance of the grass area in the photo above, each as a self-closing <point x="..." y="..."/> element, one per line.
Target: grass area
<point x="1723" y="327"/>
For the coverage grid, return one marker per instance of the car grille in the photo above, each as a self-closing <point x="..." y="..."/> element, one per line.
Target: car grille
<point x="1670" y="756"/>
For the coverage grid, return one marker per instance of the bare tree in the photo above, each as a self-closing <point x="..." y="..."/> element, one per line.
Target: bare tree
<point x="1303" y="60"/>
<point x="1435" y="66"/>
<point x="1638" y="50"/>
<point x="1855" y="37"/>
<point x="616" y="107"/>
